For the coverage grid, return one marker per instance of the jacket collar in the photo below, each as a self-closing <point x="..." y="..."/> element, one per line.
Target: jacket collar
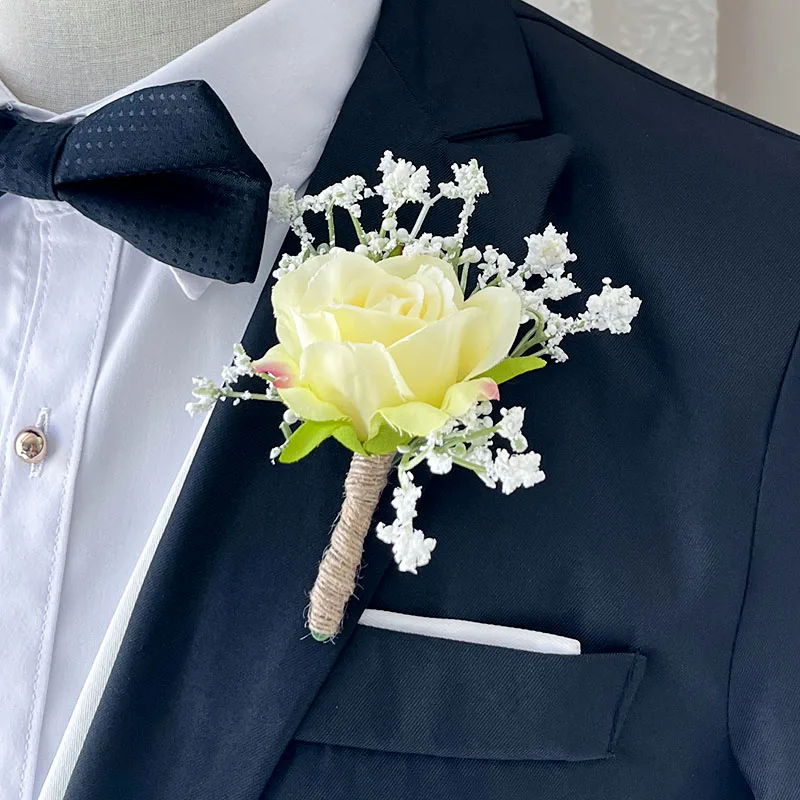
<point x="215" y="671"/>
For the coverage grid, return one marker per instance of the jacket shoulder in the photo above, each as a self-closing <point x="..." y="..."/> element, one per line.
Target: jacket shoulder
<point x="538" y="25"/>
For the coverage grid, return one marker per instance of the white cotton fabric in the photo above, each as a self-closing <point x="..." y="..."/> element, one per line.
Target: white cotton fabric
<point x="57" y="780"/>
<point x="108" y="340"/>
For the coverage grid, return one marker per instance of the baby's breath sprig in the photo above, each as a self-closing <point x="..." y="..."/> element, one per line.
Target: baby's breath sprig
<point x="401" y="184"/>
<point x="206" y="392"/>
<point x="468" y="442"/>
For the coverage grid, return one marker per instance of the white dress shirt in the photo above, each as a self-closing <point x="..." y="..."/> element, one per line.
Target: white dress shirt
<point x="98" y="344"/>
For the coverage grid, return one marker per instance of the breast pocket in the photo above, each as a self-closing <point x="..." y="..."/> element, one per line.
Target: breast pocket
<point x="403" y="693"/>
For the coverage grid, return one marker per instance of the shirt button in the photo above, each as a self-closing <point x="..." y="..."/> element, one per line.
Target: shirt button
<point x="30" y="445"/>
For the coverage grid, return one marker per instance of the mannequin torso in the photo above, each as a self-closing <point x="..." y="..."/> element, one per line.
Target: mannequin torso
<point x="62" y="54"/>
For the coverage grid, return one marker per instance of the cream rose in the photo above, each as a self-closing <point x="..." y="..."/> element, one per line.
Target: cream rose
<point x="390" y="343"/>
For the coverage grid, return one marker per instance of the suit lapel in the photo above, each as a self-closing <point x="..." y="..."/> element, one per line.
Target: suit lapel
<point x="215" y="671"/>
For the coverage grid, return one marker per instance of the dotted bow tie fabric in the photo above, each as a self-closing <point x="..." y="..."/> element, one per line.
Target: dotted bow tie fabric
<point x="166" y="168"/>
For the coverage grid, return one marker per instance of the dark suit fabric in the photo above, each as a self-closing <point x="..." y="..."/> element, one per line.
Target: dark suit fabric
<point x="666" y="536"/>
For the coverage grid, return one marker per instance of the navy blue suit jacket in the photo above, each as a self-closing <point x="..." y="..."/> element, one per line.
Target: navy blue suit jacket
<point x="666" y="537"/>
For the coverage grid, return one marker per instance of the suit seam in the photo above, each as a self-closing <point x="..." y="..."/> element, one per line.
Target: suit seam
<point x="753" y="534"/>
<point x="660" y="80"/>
<point x="620" y="702"/>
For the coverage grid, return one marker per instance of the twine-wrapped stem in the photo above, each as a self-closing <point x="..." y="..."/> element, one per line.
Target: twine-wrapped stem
<point x="336" y="579"/>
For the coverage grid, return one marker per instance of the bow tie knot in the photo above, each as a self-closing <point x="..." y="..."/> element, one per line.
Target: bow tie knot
<point x="28" y="156"/>
<point x="165" y="167"/>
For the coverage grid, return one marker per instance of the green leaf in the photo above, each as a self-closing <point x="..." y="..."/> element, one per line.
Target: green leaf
<point x="346" y="436"/>
<point x="510" y="368"/>
<point x="386" y="441"/>
<point x="306" y="438"/>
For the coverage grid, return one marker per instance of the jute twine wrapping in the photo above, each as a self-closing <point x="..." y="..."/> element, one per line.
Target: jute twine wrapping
<point x="336" y="579"/>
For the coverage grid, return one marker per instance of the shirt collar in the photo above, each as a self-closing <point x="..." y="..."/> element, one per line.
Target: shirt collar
<point x="282" y="71"/>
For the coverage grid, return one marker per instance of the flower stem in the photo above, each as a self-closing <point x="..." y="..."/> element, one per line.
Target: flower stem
<point x="423" y="212"/>
<point x="336" y="579"/>
<point x="251" y="396"/>
<point x="476" y="435"/>
<point x="406" y="464"/>
<point x="464" y="273"/>
<point x="359" y="229"/>
<point x="331" y="227"/>
<point x="462" y="462"/>
<point x="533" y="337"/>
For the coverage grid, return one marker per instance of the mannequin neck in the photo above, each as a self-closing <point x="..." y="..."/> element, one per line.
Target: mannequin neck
<point x="63" y="54"/>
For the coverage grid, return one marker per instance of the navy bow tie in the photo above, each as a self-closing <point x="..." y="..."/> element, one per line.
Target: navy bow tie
<point x="166" y="168"/>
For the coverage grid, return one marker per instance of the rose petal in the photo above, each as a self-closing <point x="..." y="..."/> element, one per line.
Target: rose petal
<point x="418" y="419"/>
<point x="429" y="359"/>
<point x="290" y="289"/>
<point x="345" y="279"/>
<point x="277" y="362"/>
<point x="462" y="396"/>
<point x="308" y="406"/>
<point x="359" y="379"/>
<point x="319" y="326"/>
<point x="367" y="325"/>
<point x="488" y="341"/>
<point x="408" y="266"/>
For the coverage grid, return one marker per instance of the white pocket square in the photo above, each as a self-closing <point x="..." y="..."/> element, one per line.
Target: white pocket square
<point x="461" y="630"/>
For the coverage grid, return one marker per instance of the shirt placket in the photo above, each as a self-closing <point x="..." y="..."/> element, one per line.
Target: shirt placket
<point x="75" y="266"/>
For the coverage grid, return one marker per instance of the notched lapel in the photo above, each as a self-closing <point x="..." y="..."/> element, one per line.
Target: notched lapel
<point x="215" y="671"/>
<point x="522" y="175"/>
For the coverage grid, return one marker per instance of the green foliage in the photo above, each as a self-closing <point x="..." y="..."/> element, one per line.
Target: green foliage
<point x="510" y="368"/>
<point x="308" y="437"/>
<point x="386" y="441"/>
<point x="346" y="436"/>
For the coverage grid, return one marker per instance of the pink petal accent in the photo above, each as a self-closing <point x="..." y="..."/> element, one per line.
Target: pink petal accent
<point x="489" y="389"/>
<point x="282" y="376"/>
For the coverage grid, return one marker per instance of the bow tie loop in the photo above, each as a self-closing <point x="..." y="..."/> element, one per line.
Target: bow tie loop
<point x="29" y="152"/>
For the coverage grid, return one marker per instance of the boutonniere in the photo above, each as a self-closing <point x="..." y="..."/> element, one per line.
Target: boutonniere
<point x="397" y="350"/>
